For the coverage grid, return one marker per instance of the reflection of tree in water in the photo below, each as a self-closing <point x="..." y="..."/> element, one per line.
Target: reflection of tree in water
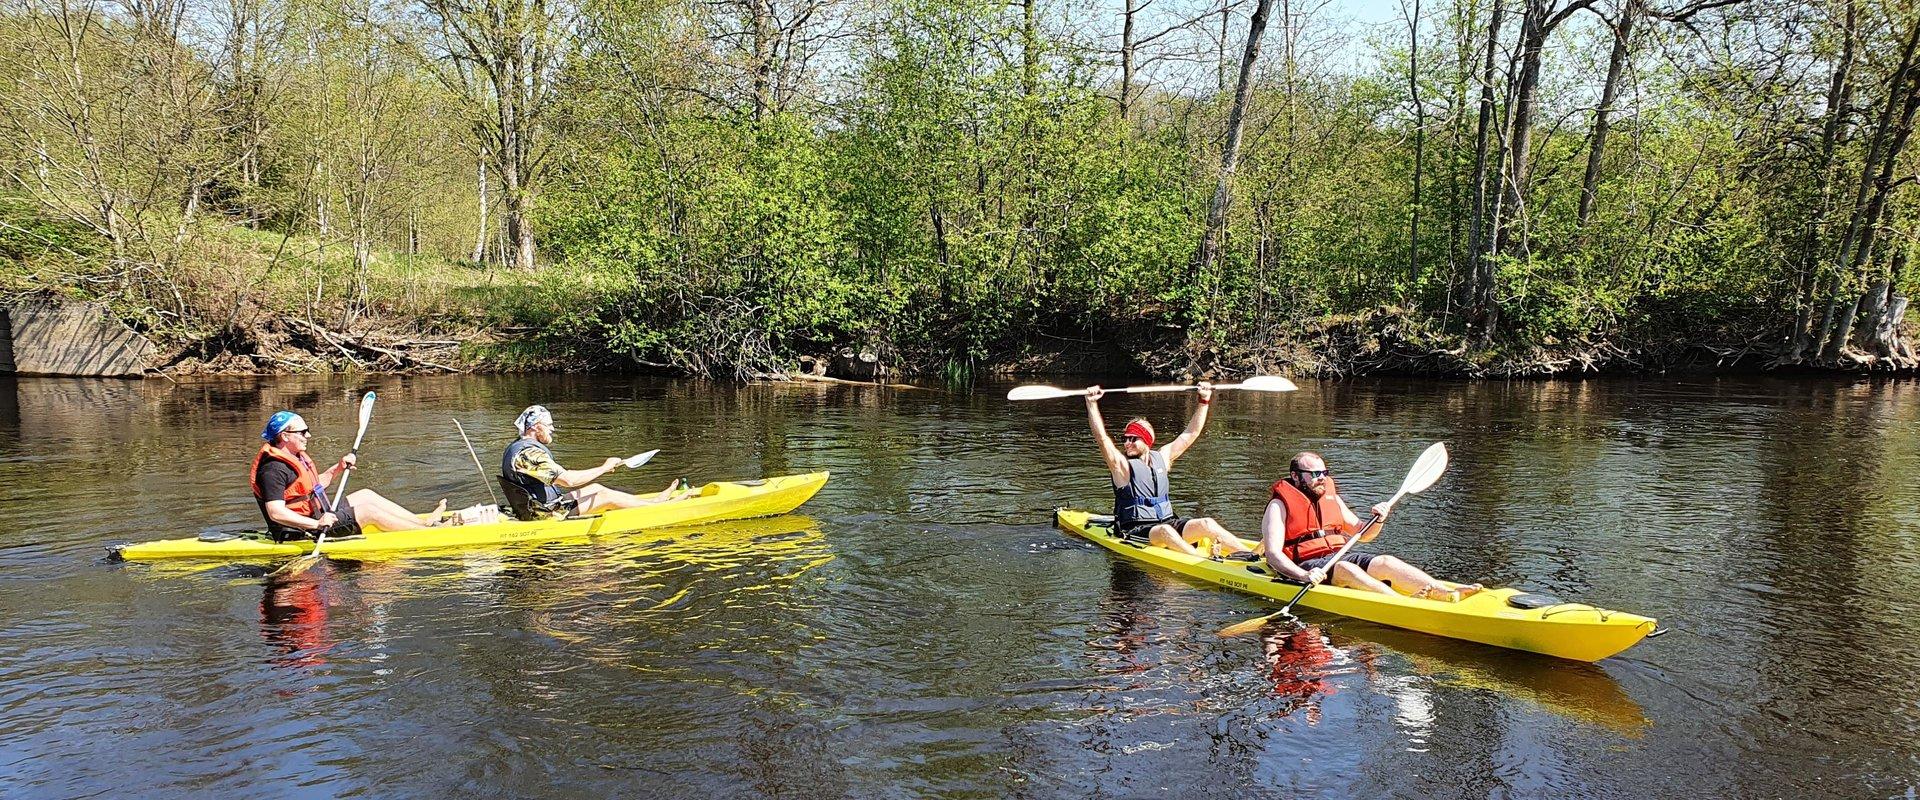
<point x="1835" y="653"/>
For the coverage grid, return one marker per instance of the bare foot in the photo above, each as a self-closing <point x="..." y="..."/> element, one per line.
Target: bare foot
<point x="1434" y="591"/>
<point x="439" y="513"/>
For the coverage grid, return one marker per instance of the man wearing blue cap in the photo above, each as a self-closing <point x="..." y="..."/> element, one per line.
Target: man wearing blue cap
<point x="528" y="468"/>
<point x="293" y="495"/>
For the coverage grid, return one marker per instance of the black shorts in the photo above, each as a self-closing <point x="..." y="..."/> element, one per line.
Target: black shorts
<point x="1139" y="530"/>
<point x="1357" y="557"/>
<point x="345" y="526"/>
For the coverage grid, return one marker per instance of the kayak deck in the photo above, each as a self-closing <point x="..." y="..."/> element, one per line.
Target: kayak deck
<point x="721" y="500"/>
<point x="1568" y="630"/>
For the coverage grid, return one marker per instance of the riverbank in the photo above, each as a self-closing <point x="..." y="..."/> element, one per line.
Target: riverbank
<point x="242" y="301"/>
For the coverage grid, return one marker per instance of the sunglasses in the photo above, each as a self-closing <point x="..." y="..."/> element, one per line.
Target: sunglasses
<point x="1131" y="438"/>
<point x="1311" y="474"/>
<point x="302" y="432"/>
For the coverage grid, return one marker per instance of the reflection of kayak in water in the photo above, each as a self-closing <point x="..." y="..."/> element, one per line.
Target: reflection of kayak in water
<point x="730" y="581"/>
<point x="1579" y="692"/>
<point x="1499" y="617"/>
<point x="725" y="544"/>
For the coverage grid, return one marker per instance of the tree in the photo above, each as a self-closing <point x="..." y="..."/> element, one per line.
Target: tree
<point x="502" y="58"/>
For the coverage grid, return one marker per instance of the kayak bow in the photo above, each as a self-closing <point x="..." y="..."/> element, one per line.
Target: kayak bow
<point x="721" y="500"/>
<point x="1568" y="630"/>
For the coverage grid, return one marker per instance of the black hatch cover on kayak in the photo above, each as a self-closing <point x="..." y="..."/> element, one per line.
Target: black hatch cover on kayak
<point x="1530" y="600"/>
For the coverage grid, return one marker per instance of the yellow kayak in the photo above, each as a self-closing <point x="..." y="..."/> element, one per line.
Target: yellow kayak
<point x="721" y="500"/>
<point x="1569" y="630"/>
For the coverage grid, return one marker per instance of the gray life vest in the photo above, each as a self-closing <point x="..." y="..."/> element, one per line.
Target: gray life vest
<point x="1145" y="498"/>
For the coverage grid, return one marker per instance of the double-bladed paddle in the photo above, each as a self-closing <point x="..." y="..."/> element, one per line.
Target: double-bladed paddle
<point x="1258" y="383"/>
<point x="305" y="562"/>
<point x="1425" y="471"/>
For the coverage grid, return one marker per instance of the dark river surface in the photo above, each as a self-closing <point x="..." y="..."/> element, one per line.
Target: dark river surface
<point x="920" y="630"/>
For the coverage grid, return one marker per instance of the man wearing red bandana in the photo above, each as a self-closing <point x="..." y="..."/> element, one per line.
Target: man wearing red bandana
<point x="1142" y="506"/>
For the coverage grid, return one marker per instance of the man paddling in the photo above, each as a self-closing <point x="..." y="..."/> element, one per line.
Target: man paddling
<point x="293" y="495"/>
<point x="1307" y="522"/>
<point x="1142" y="506"/>
<point x="528" y="466"/>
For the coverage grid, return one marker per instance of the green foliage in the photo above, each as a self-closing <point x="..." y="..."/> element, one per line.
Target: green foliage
<point x="946" y="182"/>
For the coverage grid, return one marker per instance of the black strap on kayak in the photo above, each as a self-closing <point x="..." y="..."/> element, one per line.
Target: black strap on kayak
<point x="1260" y="570"/>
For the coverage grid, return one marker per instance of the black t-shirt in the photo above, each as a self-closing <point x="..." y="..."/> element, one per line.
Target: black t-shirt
<point x="274" y="478"/>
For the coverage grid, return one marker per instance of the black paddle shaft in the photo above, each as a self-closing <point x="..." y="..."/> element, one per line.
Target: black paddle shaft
<point x="1339" y="554"/>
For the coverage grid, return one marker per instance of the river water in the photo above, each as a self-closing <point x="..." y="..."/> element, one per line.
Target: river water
<point x="919" y="629"/>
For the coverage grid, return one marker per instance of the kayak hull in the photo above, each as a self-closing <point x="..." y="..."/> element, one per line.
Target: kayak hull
<point x="1574" y="631"/>
<point x="721" y="500"/>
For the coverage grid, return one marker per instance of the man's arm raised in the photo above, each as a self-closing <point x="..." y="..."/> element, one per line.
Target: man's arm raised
<point x="1178" y="447"/>
<point x="1116" y="460"/>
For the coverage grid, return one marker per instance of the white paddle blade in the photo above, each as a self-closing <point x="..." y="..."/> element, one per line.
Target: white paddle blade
<point x="1265" y="383"/>
<point x="366" y="416"/>
<point x="636" y="461"/>
<point x="1432" y="463"/>
<point x="1042" y="393"/>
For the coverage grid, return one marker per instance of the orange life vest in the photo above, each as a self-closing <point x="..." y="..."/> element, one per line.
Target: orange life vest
<point x="1313" y="529"/>
<point x="300" y="493"/>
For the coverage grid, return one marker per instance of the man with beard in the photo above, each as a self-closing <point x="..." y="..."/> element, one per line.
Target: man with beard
<point x="1307" y="522"/>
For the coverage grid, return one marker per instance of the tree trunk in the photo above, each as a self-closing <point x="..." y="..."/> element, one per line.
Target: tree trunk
<point x="515" y="207"/>
<point x="1603" y="115"/>
<point x="1126" y="61"/>
<point x="1871" y="196"/>
<point x="1886" y="333"/>
<point x="1839" y="98"/>
<point x="1873" y="305"/>
<point x="480" y="231"/>
<point x="763" y="44"/>
<point x="1476" y="287"/>
<point x="1220" y="61"/>
<point x="1230" y="152"/>
<point x="1519" y="148"/>
<point x="1419" y="140"/>
<point x="1539" y="22"/>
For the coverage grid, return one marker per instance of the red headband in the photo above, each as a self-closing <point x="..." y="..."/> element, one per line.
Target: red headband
<point x="1140" y="429"/>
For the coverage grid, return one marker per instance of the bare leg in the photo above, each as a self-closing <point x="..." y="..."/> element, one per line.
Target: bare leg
<point x="372" y="509"/>
<point x="594" y="498"/>
<point x="1208" y="527"/>
<point x="1401" y="573"/>
<point x="1164" y="536"/>
<point x="1349" y="575"/>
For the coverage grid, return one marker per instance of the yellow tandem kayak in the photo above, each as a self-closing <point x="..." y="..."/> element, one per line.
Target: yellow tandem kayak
<point x="1569" y="630"/>
<point x="721" y="500"/>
